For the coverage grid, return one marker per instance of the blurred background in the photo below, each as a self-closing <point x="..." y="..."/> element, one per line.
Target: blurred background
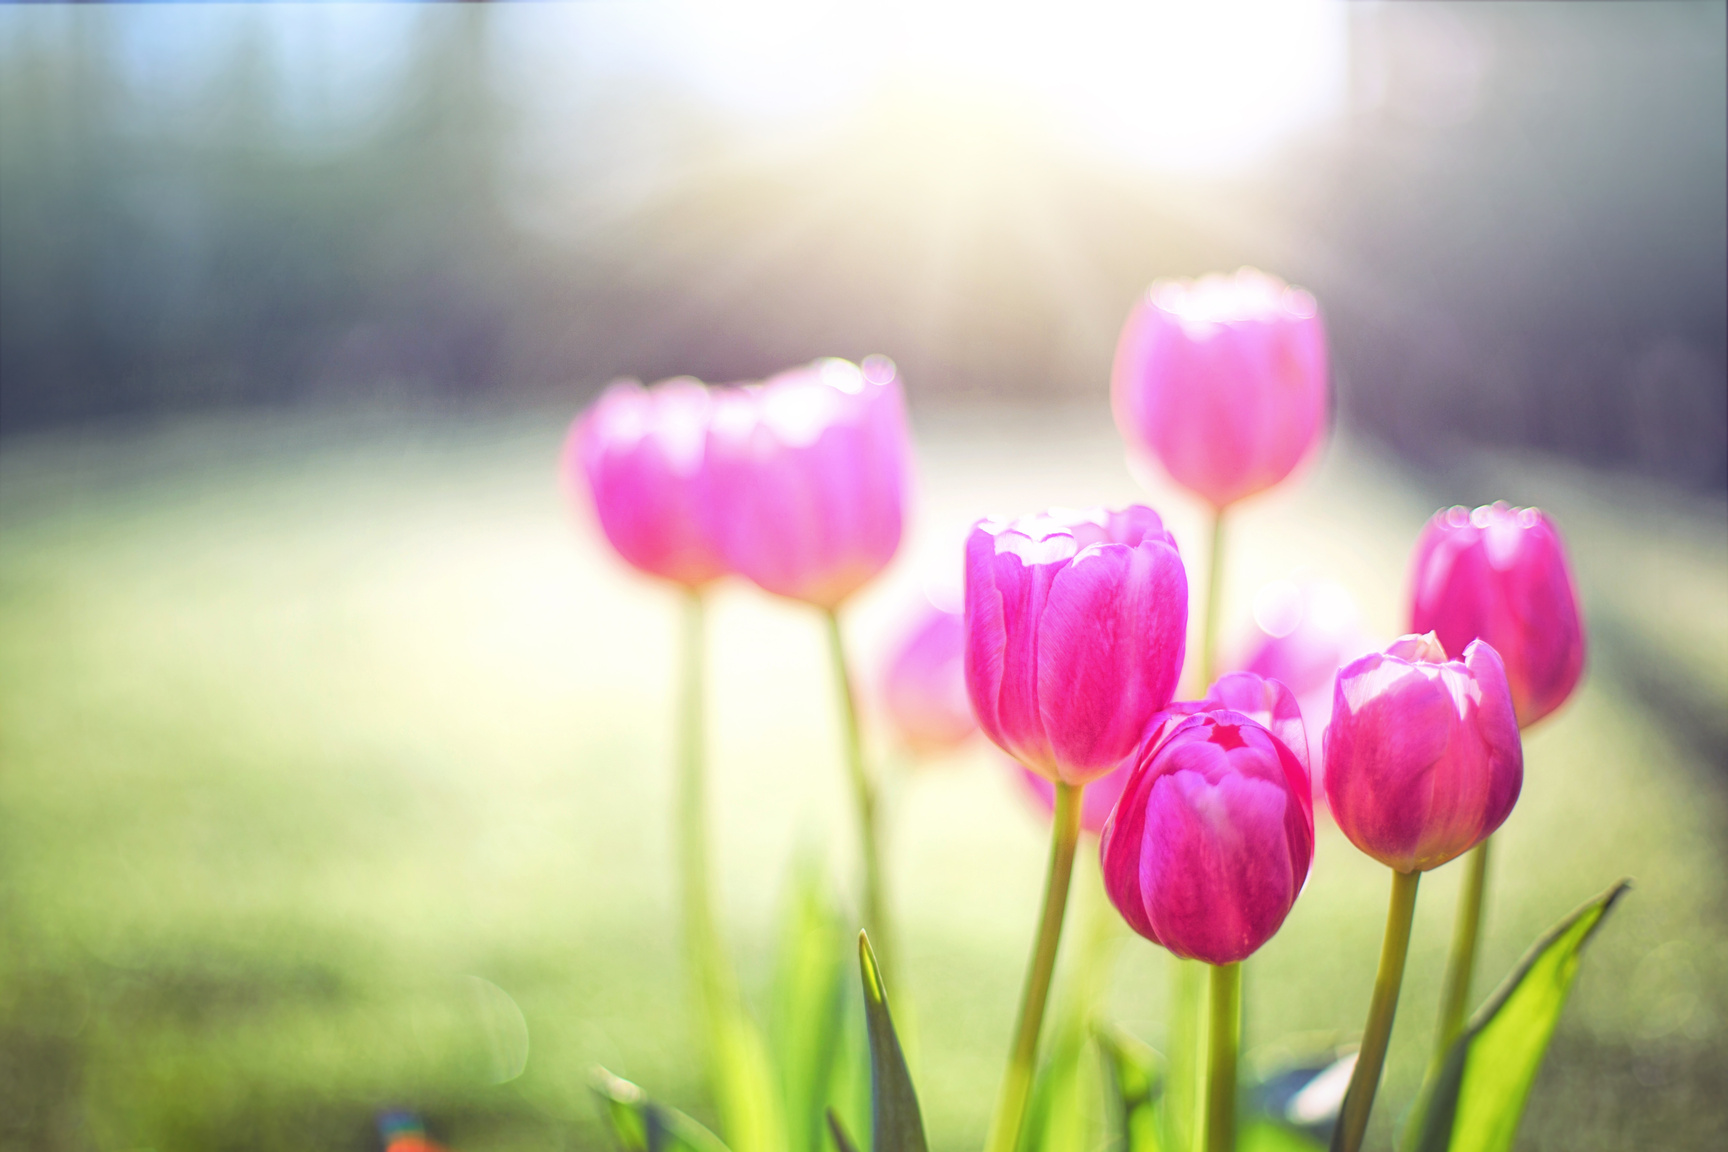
<point x="333" y="747"/>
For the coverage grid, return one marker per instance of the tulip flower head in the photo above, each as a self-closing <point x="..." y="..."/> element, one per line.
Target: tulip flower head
<point x="1499" y="574"/>
<point x="924" y="685"/>
<point x="1213" y="836"/>
<point x="1075" y="626"/>
<point x="1223" y="381"/>
<point x="811" y="479"/>
<point x="1423" y="758"/>
<point x="640" y="455"/>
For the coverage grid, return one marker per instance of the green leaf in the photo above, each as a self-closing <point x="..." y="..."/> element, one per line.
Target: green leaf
<point x="842" y="1142"/>
<point x="1475" y="1100"/>
<point x="895" y="1122"/>
<point x="1265" y="1135"/>
<point x="644" y="1126"/>
<point x="1063" y="1114"/>
<point x="1133" y="1082"/>
<point x="745" y="1092"/>
<point x="809" y="1030"/>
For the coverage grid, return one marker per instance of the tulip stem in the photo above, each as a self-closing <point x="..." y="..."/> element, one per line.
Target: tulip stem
<point x="1461" y="964"/>
<point x="710" y="975"/>
<point x="1017" y="1081"/>
<point x="1221" y="1071"/>
<point x="864" y="796"/>
<point x="1214" y="589"/>
<point x="1382" y="1007"/>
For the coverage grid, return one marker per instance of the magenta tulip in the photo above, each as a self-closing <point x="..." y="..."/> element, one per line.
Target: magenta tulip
<point x="811" y="480"/>
<point x="1075" y="626"/>
<point x="1096" y="803"/>
<point x="640" y="455"/>
<point x="1223" y="381"/>
<point x="1213" y="836"/>
<point x="924" y="685"/>
<point x="1499" y="574"/>
<point x="1423" y="759"/>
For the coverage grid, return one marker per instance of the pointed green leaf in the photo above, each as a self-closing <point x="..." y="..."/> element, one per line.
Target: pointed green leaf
<point x="641" y="1125"/>
<point x="895" y="1122"/>
<point x="1475" y="1100"/>
<point x="842" y="1142"/>
<point x="1133" y="1082"/>
<point x="745" y="1092"/>
<point x="808" y="1019"/>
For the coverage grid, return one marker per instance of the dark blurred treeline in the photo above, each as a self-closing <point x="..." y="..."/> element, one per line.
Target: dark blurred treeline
<point x="1519" y="230"/>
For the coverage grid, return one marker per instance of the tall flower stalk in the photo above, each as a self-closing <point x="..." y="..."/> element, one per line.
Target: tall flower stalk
<point x="1004" y="1132"/>
<point x="865" y="800"/>
<point x="1382" y="1007"/>
<point x="1461" y="960"/>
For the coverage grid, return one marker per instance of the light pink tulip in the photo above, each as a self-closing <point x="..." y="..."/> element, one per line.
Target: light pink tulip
<point x="1075" y="626"/>
<point x="810" y="472"/>
<point x="924" y="684"/>
<point x="1096" y="803"/>
<point x="1223" y="381"/>
<point x="1499" y="574"/>
<point x="639" y="454"/>
<point x="1213" y="836"/>
<point x="1423" y="759"/>
<point x="1303" y="634"/>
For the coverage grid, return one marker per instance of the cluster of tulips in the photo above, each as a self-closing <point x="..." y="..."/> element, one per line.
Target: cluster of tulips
<point x="1068" y="656"/>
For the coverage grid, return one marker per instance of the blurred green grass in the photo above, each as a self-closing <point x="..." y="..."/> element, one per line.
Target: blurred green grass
<point x="308" y="721"/>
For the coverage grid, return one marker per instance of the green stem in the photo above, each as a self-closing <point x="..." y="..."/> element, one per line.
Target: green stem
<point x="1214" y="589"/>
<point x="1377" y="1033"/>
<point x="1017" y="1081"/>
<point x="1221" y="1073"/>
<point x="864" y="797"/>
<point x="1461" y="964"/>
<point x="709" y="972"/>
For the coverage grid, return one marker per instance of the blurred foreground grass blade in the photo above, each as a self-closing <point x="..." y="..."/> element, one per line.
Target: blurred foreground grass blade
<point x="1265" y="1135"/>
<point x="895" y="1122"/>
<point x="644" y="1126"/>
<point x="1475" y="1100"/>
<point x="747" y="1101"/>
<point x="1063" y="1115"/>
<point x="808" y="1023"/>
<point x="1133" y="1087"/>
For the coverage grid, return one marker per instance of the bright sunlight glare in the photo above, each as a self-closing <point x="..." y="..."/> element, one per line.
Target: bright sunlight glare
<point x="1170" y="85"/>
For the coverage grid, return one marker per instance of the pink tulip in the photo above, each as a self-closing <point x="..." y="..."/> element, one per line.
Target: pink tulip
<point x="1423" y="759"/>
<point x="924" y="686"/>
<point x="1075" y="626"/>
<point x="1499" y="574"/>
<point x="1096" y="803"/>
<point x="640" y="455"/>
<point x="1213" y="836"/>
<point x="1223" y="380"/>
<point x="811" y="477"/>
<point x="1303" y="634"/>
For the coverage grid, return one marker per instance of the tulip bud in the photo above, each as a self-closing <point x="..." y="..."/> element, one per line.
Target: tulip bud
<point x="1223" y="380"/>
<point x="1499" y="574"/>
<point x="811" y="477"/>
<point x="1423" y="759"/>
<point x="1096" y="803"/>
<point x="640" y="455"/>
<point x="924" y="685"/>
<point x="1075" y="626"/>
<point x="1212" y="838"/>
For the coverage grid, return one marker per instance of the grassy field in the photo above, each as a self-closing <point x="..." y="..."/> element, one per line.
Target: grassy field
<point x="334" y="768"/>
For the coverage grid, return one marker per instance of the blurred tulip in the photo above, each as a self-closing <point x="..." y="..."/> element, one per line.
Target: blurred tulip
<point x="1075" y="626"/>
<point x="1500" y="575"/>
<point x="639" y="453"/>
<point x="1303" y="634"/>
<point x="924" y="685"/>
<point x="1096" y="802"/>
<point x="810" y="477"/>
<point x="1223" y="381"/>
<point x="1423" y="759"/>
<point x="1213" y="836"/>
